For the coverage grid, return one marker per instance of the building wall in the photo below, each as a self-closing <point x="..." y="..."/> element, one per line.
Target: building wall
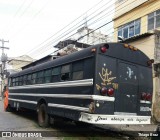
<point x="156" y="99"/>
<point x="146" y="45"/>
<point x="92" y="38"/>
<point x="140" y="12"/>
<point x="17" y="64"/>
<point x="128" y="4"/>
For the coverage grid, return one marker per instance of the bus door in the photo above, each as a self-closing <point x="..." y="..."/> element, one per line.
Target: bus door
<point x="126" y="97"/>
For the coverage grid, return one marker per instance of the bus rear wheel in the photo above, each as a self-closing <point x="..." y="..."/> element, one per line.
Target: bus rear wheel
<point x="43" y="118"/>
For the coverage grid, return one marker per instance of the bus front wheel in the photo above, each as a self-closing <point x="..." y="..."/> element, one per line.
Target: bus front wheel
<point x="43" y="118"/>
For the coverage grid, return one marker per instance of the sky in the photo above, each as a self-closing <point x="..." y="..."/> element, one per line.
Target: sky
<point x="33" y="26"/>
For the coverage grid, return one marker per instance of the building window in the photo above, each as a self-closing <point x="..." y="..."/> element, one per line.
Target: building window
<point x="154" y="20"/>
<point x="130" y="29"/>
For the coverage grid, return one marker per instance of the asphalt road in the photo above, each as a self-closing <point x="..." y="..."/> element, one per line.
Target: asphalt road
<point x="26" y="123"/>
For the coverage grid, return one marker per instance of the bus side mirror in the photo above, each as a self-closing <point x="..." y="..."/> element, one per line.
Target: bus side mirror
<point x="150" y="62"/>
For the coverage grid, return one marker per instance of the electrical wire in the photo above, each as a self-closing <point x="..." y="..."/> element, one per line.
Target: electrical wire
<point x="94" y="30"/>
<point x="124" y="20"/>
<point x="58" y="39"/>
<point x="67" y="26"/>
<point x="12" y="23"/>
<point x="24" y="11"/>
<point x="32" y="19"/>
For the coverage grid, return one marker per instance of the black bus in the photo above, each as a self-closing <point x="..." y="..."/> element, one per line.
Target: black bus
<point x="109" y="83"/>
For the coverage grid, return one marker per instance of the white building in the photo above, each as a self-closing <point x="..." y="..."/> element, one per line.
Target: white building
<point x="91" y="37"/>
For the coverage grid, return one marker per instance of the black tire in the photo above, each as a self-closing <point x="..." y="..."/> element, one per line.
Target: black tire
<point x="43" y="118"/>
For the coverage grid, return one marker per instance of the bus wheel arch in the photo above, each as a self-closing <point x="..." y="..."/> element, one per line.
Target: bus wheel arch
<point x="43" y="117"/>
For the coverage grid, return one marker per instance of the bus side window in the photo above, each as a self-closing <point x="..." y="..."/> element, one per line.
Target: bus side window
<point x="127" y="73"/>
<point x="56" y="74"/>
<point x="47" y="76"/>
<point x="40" y="77"/>
<point x="10" y="82"/>
<point x="20" y="81"/>
<point x="65" y="72"/>
<point x="29" y="79"/>
<point x="77" y="68"/>
<point x="24" y="79"/>
<point x="14" y="81"/>
<point x="34" y="76"/>
<point x="88" y="71"/>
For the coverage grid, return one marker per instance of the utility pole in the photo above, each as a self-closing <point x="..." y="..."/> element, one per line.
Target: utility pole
<point x="3" y="60"/>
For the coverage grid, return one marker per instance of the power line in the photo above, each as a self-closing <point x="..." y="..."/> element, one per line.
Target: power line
<point x="67" y="26"/>
<point x="12" y="23"/>
<point x="33" y="18"/>
<point x="124" y="21"/>
<point x="114" y="31"/>
<point x="64" y="35"/>
<point x="24" y="11"/>
<point x="96" y="29"/>
<point x="58" y="31"/>
<point x="3" y="57"/>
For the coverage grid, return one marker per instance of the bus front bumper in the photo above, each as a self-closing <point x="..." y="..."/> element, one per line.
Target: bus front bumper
<point x="114" y="119"/>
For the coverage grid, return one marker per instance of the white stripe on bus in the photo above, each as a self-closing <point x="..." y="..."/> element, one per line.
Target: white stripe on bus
<point x="69" y="107"/>
<point x="75" y="96"/>
<point x="125" y="113"/>
<point x="85" y="109"/>
<point x="24" y="101"/>
<point x="145" y="102"/>
<point x="86" y="82"/>
<point x="114" y="119"/>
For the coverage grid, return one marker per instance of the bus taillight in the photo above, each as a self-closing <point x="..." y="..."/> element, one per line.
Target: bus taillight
<point x="110" y="92"/>
<point x="148" y="97"/>
<point x="144" y="95"/>
<point x="104" y="48"/>
<point x="104" y="91"/>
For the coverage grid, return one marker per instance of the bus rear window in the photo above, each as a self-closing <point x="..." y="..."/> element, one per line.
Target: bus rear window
<point x="145" y="77"/>
<point x="127" y="73"/>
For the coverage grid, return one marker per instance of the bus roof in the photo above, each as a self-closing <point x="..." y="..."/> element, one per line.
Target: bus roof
<point x="116" y="50"/>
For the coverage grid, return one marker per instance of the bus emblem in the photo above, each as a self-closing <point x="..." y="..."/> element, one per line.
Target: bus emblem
<point x="106" y="77"/>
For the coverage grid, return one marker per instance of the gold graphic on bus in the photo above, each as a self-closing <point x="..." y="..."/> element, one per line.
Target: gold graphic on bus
<point x="106" y="77"/>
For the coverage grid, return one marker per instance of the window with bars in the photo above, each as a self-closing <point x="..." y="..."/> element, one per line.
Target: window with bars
<point x="130" y="29"/>
<point x="154" y="20"/>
